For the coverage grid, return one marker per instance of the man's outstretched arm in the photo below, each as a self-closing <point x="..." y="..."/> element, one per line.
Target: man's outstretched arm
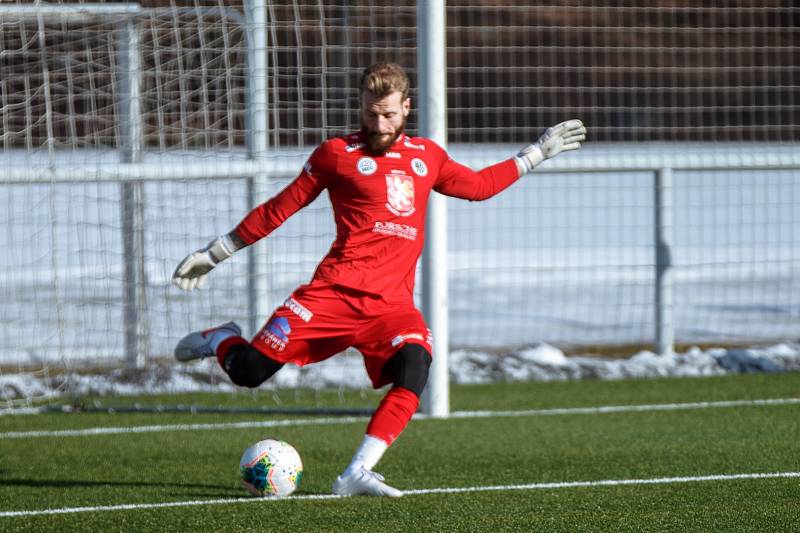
<point x="257" y="224"/>
<point x="460" y="181"/>
<point x="192" y="271"/>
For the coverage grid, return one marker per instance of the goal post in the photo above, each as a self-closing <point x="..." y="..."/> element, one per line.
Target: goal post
<point x="257" y="132"/>
<point x="130" y="137"/>
<point x="432" y="109"/>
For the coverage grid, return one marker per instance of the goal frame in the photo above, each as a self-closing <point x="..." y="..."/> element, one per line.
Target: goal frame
<point x="259" y="164"/>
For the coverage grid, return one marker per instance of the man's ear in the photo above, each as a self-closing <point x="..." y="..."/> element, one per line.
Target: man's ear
<point x="406" y="107"/>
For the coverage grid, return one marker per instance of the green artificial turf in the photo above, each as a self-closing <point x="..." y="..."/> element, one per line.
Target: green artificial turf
<point x="55" y="472"/>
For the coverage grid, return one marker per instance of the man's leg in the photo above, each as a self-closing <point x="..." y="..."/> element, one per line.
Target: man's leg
<point x="407" y="370"/>
<point x="313" y="324"/>
<point x="246" y="366"/>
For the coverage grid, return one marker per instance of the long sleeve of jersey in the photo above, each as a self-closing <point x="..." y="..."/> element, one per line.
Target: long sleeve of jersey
<point x="378" y="203"/>
<point x="461" y="181"/>
<point x="265" y="218"/>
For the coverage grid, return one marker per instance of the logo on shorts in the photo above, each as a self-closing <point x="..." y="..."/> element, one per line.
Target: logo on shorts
<point x="400" y="339"/>
<point x="367" y="166"/>
<point x="297" y="308"/>
<point x="276" y="333"/>
<point x="400" y="194"/>
<point x="419" y="166"/>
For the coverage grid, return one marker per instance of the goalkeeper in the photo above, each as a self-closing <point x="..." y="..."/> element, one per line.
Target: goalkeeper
<point x="361" y="295"/>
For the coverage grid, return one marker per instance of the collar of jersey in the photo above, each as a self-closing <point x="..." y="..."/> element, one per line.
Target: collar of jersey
<point x="401" y="139"/>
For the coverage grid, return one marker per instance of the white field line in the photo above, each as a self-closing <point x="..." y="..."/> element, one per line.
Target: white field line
<point x="182" y="427"/>
<point x="20" y="411"/>
<point x="627" y="408"/>
<point x="442" y="490"/>
<point x="351" y="419"/>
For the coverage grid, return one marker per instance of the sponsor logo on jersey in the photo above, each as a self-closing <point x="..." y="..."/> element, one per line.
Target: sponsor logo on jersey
<point x="396" y="230"/>
<point x="407" y="142"/>
<point x="393" y="155"/>
<point x="367" y="166"/>
<point x="276" y="333"/>
<point x="400" y="194"/>
<point x="419" y="167"/>
<point x="307" y="167"/>
<point x="353" y="147"/>
<point x="297" y="308"/>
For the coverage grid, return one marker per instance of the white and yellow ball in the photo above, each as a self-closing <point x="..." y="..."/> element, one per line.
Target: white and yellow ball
<point x="271" y="468"/>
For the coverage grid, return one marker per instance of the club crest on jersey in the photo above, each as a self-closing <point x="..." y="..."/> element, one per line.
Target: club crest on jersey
<point x="419" y="167"/>
<point x="400" y="194"/>
<point x="367" y="166"/>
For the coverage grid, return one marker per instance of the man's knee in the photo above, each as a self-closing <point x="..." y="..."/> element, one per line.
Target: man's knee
<point x="247" y="367"/>
<point x="408" y="368"/>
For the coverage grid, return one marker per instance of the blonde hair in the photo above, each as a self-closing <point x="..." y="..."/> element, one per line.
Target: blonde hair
<point x="382" y="79"/>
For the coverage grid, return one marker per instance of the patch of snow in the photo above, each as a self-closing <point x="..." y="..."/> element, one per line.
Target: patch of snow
<point x="541" y="362"/>
<point x="546" y="363"/>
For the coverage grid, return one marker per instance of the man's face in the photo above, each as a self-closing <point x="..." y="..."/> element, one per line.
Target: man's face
<point x="383" y="119"/>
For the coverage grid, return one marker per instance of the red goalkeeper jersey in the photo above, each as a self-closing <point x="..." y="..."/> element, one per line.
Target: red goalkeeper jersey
<point x="379" y="205"/>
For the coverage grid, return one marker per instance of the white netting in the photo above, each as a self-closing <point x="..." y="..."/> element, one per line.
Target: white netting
<point x="566" y="258"/>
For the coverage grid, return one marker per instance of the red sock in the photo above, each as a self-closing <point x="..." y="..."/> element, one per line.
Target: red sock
<point x="225" y="346"/>
<point x="393" y="414"/>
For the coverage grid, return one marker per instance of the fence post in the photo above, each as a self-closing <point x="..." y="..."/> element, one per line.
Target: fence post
<point x="136" y="326"/>
<point x="432" y="80"/>
<point x="665" y="328"/>
<point x="257" y="124"/>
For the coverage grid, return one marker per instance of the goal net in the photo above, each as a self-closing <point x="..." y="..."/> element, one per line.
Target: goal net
<point x="128" y="130"/>
<point x="133" y="133"/>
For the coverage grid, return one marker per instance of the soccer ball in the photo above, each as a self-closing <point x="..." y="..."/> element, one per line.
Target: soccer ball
<point x="271" y="468"/>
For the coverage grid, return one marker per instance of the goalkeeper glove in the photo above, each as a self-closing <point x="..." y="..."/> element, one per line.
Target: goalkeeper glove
<point x="191" y="272"/>
<point x="560" y="138"/>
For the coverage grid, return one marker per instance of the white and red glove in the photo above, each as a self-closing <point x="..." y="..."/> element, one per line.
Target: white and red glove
<point x="192" y="271"/>
<point x="559" y="138"/>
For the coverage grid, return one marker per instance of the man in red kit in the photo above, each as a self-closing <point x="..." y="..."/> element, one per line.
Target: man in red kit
<point x="361" y="294"/>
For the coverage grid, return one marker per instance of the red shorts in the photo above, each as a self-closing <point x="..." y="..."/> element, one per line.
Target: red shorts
<point x="320" y="320"/>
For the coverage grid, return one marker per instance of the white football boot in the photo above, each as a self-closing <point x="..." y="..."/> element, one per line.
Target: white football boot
<point x="363" y="482"/>
<point x="202" y="344"/>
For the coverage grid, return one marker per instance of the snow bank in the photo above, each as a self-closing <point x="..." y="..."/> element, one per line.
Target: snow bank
<point x="546" y="363"/>
<point x="535" y="363"/>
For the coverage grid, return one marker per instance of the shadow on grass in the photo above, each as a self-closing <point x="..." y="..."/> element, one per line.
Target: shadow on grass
<point x="223" y="490"/>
